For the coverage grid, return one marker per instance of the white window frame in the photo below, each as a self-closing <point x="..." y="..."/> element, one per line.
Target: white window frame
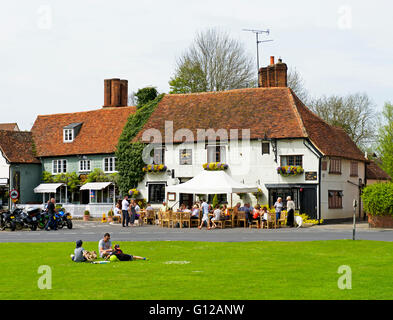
<point x="63" y="163"/>
<point x="85" y="165"/>
<point x="223" y="152"/>
<point x="68" y="135"/>
<point x="110" y="159"/>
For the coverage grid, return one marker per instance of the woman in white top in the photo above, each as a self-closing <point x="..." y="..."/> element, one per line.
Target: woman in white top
<point x="217" y="216"/>
<point x="290" y="212"/>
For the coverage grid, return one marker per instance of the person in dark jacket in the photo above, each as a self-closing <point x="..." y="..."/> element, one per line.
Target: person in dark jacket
<point x="123" y="256"/>
<point x="51" y="213"/>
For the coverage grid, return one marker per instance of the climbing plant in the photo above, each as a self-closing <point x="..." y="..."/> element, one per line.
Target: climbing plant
<point x="129" y="154"/>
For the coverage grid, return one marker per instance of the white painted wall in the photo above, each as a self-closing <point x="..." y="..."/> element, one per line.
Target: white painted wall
<point x="4" y="167"/>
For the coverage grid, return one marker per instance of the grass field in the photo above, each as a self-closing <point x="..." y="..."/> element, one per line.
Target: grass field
<point x="250" y="270"/>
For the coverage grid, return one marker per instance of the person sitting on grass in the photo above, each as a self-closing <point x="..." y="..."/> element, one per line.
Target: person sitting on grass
<point x="217" y="216"/>
<point x="79" y="253"/>
<point x="105" y="246"/>
<point x="118" y="253"/>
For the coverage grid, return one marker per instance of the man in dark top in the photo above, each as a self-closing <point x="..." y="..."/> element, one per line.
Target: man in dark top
<point x="51" y="213"/>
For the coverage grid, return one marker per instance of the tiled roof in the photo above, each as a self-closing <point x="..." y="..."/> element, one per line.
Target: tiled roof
<point x="17" y="146"/>
<point x="274" y="112"/>
<point x="9" y="126"/>
<point x="374" y="172"/>
<point x="99" y="133"/>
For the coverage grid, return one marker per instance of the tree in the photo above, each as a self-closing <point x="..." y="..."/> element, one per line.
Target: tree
<point x="145" y="95"/>
<point x="214" y="62"/>
<point x="354" y="113"/>
<point x="296" y="83"/>
<point x="385" y="139"/>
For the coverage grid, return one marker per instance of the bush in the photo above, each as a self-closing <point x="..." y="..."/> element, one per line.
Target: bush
<point x="86" y="213"/>
<point x="110" y="213"/>
<point x="378" y="199"/>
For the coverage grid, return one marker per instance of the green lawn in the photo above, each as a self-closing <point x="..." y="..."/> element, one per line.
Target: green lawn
<point x="251" y="270"/>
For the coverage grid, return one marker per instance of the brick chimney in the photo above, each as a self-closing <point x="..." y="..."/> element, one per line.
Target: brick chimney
<point x="274" y="75"/>
<point x="115" y="93"/>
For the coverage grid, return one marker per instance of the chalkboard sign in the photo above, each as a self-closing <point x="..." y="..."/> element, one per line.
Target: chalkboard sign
<point x="311" y="175"/>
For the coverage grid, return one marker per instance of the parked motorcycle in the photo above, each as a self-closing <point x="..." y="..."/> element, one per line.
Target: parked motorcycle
<point x="18" y="218"/>
<point x="63" y="219"/>
<point x="30" y="217"/>
<point x="42" y="219"/>
<point x="7" y="220"/>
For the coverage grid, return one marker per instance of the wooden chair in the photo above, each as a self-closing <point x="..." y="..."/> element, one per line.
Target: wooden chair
<point x="185" y="218"/>
<point x="167" y="219"/>
<point x="283" y="219"/>
<point x="255" y="222"/>
<point x="271" y="220"/>
<point x="149" y="216"/>
<point x="220" y="223"/>
<point x="176" y="218"/>
<point x="241" y="217"/>
<point x="196" y="222"/>
<point x="232" y="219"/>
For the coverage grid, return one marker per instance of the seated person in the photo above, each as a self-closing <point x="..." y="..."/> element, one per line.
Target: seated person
<point x="195" y="212"/>
<point x="79" y="253"/>
<point x="226" y="212"/>
<point x="122" y="256"/>
<point x="105" y="246"/>
<point x="149" y="207"/>
<point x="186" y="209"/>
<point x="117" y="212"/>
<point x="264" y="216"/>
<point x="256" y="212"/>
<point x="217" y="215"/>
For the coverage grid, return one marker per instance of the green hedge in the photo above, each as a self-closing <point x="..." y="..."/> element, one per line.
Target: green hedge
<point x="129" y="155"/>
<point x="378" y="199"/>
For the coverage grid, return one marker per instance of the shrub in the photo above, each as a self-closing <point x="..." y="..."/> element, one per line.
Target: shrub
<point x="110" y="213"/>
<point x="86" y="213"/>
<point x="378" y="199"/>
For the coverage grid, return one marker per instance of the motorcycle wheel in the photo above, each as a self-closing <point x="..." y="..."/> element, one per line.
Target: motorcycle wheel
<point x="33" y="227"/>
<point x="60" y="224"/>
<point x="41" y="224"/>
<point x="2" y="225"/>
<point x="69" y="224"/>
<point x="19" y="226"/>
<point x="12" y="226"/>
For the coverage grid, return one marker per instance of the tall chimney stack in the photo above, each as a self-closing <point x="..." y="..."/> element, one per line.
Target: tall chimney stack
<point x="273" y="75"/>
<point x="115" y="92"/>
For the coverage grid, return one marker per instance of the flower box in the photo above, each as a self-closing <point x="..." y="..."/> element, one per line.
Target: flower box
<point x="154" y="168"/>
<point x="290" y="170"/>
<point x="214" y="166"/>
<point x="133" y="192"/>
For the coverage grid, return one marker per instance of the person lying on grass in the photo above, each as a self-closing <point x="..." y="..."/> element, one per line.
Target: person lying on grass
<point x="118" y="253"/>
<point x="81" y="255"/>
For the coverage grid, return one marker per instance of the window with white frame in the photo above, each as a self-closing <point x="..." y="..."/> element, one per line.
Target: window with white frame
<point x="84" y="165"/>
<point x="110" y="164"/>
<point x="68" y="135"/>
<point x="216" y="153"/>
<point x="185" y="156"/>
<point x="59" y="166"/>
<point x="159" y="155"/>
<point x="296" y="160"/>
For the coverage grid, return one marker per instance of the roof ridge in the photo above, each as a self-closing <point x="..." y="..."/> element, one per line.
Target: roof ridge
<point x="87" y="111"/>
<point x="298" y="115"/>
<point x="223" y="91"/>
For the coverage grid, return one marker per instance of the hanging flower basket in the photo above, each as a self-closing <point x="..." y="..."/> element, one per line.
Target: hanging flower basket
<point x="290" y="170"/>
<point x="154" y="168"/>
<point x="214" y="166"/>
<point x="259" y="193"/>
<point x="133" y="192"/>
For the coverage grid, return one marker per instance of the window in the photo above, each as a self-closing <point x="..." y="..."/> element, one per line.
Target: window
<point x="335" y="166"/>
<point x="354" y="169"/>
<point x="156" y="192"/>
<point x="185" y="157"/>
<point x="84" y="165"/>
<point x="216" y="154"/>
<point x="265" y="148"/>
<point x="292" y="161"/>
<point x="324" y="165"/>
<point x="335" y="199"/>
<point x="59" y="166"/>
<point x="159" y="155"/>
<point x="110" y="164"/>
<point x="68" y="135"/>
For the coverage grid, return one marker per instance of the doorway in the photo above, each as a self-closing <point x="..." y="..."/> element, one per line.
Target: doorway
<point x="308" y="202"/>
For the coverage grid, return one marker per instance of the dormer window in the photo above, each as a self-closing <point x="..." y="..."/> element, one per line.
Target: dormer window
<point x="71" y="131"/>
<point x="68" y="135"/>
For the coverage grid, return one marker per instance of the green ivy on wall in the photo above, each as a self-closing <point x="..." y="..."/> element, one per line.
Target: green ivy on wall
<point x="129" y="154"/>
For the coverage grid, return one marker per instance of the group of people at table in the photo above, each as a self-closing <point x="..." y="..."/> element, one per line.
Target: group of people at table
<point x="129" y="211"/>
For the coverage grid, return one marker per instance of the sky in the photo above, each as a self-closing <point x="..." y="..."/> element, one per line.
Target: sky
<point x="55" y="55"/>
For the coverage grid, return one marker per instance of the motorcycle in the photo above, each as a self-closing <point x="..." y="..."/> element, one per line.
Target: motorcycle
<point x="42" y="219"/>
<point x="30" y="218"/>
<point x="63" y="219"/>
<point x="18" y="218"/>
<point x="7" y="220"/>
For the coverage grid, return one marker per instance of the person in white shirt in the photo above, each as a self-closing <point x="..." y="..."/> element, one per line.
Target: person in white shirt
<point x="124" y="209"/>
<point x="117" y="211"/>
<point x="205" y="215"/>
<point x="290" y="212"/>
<point x="217" y="215"/>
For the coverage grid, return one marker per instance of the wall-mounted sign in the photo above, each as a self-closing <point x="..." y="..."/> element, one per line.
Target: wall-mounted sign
<point x="311" y="175"/>
<point x="171" y="196"/>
